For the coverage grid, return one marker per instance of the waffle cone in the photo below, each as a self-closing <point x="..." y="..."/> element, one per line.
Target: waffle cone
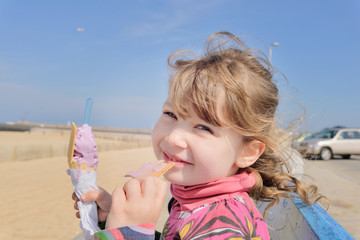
<point x="156" y="169"/>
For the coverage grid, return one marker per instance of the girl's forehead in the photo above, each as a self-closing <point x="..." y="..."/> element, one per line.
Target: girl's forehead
<point x="192" y="109"/>
<point x="167" y="102"/>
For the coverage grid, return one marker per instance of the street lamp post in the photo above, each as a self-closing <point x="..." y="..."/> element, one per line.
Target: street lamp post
<point x="274" y="44"/>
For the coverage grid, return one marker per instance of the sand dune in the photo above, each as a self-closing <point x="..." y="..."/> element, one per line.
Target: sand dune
<point x="24" y="146"/>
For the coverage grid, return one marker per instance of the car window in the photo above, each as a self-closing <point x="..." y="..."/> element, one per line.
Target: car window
<point x="310" y="136"/>
<point x="350" y="135"/>
<point x="356" y="135"/>
<point x="327" y="134"/>
<point x="346" y="135"/>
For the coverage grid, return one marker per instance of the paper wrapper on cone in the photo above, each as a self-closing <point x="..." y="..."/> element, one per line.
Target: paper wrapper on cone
<point x="83" y="183"/>
<point x="83" y="160"/>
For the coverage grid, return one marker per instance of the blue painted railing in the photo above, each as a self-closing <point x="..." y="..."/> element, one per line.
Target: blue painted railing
<point x="293" y="219"/>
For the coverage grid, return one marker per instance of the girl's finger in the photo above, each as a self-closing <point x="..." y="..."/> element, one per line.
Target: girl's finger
<point x="90" y="196"/>
<point x="118" y="198"/>
<point x="162" y="190"/>
<point x="74" y="197"/>
<point x="149" y="187"/>
<point x="104" y="200"/>
<point x="132" y="190"/>
<point x="76" y="206"/>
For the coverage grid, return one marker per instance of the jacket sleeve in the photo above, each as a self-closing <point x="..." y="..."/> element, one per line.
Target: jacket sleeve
<point x="136" y="232"/>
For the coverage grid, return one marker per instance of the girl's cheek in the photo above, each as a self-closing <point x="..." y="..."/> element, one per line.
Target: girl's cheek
<point x="155" y="133"/>
<point x="157" y="152"/>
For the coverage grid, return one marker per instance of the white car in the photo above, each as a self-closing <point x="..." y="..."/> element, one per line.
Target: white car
<point x="330" y="142"/>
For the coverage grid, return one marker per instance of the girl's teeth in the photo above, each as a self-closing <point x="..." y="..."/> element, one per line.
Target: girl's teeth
<point x="172" y="158"/>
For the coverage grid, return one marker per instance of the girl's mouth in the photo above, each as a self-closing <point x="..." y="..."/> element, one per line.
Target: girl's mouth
<point x="173" y="159"/>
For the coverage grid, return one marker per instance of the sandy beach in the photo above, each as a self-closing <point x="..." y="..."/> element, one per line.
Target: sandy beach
<point x="36" y="199"/>
<point x="36" y="195"/>
<point x="36" y="192"/>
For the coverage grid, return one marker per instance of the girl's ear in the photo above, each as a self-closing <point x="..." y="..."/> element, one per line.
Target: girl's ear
<point x="250" y="153"/>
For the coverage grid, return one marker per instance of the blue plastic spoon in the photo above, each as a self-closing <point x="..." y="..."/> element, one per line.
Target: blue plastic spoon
<point x="89" y="103"/>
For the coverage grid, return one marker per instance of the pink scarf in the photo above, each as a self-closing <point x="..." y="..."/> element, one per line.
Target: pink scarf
<point x="196" y="196"/>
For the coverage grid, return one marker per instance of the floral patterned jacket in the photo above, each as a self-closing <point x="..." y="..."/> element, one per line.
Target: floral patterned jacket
<point x="217" y="210"/>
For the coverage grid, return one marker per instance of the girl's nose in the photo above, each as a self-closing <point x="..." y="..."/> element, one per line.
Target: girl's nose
<point x="177" y="138"/>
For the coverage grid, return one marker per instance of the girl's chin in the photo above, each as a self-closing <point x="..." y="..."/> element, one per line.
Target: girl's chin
<point x="173" y="177"/>
<point x="176" y="178"/>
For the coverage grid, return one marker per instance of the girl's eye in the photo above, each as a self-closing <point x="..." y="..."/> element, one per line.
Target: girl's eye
<point x="170" y="114"/>
<point x="205" y="128"/>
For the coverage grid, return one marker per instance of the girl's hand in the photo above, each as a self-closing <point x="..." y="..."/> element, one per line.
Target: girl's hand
<point x="138" y="202"/>
<point x="102" y="199"/>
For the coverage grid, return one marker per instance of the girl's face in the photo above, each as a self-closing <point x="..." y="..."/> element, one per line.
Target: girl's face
<point x="200" y="151"/>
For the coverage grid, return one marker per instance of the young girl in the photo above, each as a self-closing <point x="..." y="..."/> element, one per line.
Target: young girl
<point x="218" y="127"/>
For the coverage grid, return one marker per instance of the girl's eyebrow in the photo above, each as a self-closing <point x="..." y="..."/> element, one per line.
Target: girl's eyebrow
<point x="167" y="104"/>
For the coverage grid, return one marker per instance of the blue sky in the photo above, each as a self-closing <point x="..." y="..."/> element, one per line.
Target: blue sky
<point x="48" y="68"/>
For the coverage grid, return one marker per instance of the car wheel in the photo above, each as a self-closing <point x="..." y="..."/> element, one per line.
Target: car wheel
<point x="347" y="156"/>
<point x="326" y="154"/>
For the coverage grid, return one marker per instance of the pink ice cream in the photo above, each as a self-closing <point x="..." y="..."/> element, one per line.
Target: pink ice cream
<point x="85" y="150"/>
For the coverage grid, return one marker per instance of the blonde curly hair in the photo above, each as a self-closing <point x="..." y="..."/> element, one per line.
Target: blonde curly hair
<point x="251" y="100"/>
